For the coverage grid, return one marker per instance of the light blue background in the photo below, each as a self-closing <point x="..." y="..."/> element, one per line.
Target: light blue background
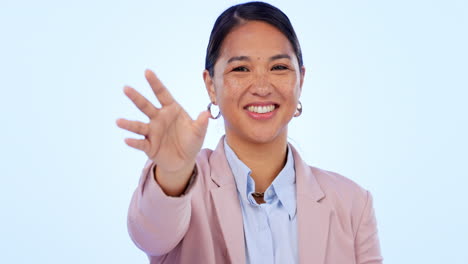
<point x="385" y="104"/>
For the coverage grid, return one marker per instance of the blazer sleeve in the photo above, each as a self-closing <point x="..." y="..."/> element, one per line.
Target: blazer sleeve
<point x="367" y="247"/>
<point x="157" y="222"/>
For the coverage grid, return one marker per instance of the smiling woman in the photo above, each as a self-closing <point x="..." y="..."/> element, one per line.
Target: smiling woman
<point x="252" y="199"/>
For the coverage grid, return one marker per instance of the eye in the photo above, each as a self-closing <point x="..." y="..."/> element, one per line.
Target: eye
<point x="240" y="69"/>
<point x="279" y="68"/>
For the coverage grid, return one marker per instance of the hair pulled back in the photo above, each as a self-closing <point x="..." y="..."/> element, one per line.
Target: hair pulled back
<point x="240" y="14"/>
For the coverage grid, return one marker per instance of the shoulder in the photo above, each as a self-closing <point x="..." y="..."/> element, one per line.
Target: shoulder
<point x="333" y="183"/>
<point x="346" y="197"/>
<point x="326" y="184"/>
<point x="332" y="189"/>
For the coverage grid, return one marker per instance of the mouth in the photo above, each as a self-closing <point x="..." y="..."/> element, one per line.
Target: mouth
<point x="261" y="111"/>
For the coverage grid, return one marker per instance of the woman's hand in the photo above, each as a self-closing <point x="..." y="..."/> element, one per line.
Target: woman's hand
<point x="172" y="138"/>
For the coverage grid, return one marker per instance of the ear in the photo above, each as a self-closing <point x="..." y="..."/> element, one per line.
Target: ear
<point x="302" y="74"/>
<point x="209" y="85"/>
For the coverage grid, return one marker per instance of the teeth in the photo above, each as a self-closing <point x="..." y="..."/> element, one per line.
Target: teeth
<point x="261" y="109"/>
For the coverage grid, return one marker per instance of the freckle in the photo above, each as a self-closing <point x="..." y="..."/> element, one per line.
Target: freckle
<point x="258" y="58"/>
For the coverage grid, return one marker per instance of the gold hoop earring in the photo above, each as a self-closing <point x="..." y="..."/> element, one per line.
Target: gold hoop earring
<point x="211" y="115"/>
<point x="298" y="109"/>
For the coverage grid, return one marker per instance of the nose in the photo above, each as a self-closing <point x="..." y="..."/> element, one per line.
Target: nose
<point x="261" y="85"/>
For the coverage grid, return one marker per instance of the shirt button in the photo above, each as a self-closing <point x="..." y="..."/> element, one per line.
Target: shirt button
<point x="270" y="192"/>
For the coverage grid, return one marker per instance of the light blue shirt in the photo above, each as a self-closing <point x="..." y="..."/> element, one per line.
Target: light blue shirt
<point x="270" y="229"/>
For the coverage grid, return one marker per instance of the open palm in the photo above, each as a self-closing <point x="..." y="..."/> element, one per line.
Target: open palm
<point x="172" y="138"/>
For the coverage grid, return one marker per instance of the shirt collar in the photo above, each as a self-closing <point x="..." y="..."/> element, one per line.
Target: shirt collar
<point x="283" y="186"/>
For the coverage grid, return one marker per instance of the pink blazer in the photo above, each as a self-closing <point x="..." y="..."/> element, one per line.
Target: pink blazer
<point x="336" y="221"/>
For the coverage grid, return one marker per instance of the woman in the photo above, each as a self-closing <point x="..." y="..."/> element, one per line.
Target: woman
<point x="252" y="199"/>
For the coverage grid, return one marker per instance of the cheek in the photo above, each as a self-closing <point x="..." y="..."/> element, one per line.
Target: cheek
<point x="231" y="89"/>
<point x="287" y="87"/>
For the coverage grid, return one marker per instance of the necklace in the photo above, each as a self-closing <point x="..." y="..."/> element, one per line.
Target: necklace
<point x="258" y="194"/>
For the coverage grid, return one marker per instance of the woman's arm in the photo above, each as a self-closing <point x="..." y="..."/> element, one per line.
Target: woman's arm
<point x="158" y="218"/>
<point x="157" y="222"/>
<point x="367" y="247"/>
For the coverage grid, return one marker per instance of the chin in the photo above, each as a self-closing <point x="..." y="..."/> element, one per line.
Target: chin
<point x="264" y="137"/>
<point x="256" y="133"/>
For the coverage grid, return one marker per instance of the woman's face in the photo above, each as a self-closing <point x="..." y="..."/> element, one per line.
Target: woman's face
<point x="257" y="83"/>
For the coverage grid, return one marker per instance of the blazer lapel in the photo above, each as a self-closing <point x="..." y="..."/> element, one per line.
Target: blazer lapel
<point x="313" y="216"/>
<point x="227" y="205"/>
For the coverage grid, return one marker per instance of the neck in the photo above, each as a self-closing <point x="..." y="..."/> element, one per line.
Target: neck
<point x="265" y="160"/>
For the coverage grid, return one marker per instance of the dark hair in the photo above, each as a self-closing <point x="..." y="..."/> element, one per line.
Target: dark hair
<point x="238" y="15"/>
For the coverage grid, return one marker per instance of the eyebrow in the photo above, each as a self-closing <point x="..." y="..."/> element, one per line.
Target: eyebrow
<point x="280" y="56"/>
<point x="247" y="58"/>
<point x="238" y="58"/>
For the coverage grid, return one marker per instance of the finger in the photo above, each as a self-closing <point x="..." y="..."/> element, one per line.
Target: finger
<point x="201" y="124"/>
<point x="140" y="144"/>
<point x="133" y="126"/>
<point x="141" y="102"/>
<point x="161" y="92"/>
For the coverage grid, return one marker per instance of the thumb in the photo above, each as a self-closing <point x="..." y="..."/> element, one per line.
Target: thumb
<point x="202" y="122"/>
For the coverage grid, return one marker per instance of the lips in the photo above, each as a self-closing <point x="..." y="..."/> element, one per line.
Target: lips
<point x="261" y="110"/>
